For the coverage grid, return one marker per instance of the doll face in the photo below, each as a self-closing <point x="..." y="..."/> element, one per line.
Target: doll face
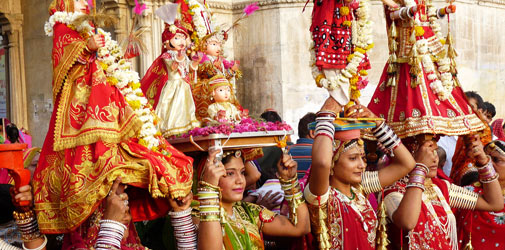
<point x="178" y="42"/>
<point x="222" y="94"/>
<point x="233" y="184"/>
<point x="213" y="47"/>
<point x="350" y="165"/>
<point x="81" y="6"/>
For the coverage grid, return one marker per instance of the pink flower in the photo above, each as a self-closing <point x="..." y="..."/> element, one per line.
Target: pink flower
<point x="139" y="8"/>
<point x="362" y="83"/>
<point x="90" y="4"/>
<point x="251" y="8"/>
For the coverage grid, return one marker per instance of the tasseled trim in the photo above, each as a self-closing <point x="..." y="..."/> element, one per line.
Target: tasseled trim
<point x="382" y="237"/>
<point x="324" y="237"/>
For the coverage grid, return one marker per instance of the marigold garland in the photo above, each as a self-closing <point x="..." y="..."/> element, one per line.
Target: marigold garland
<point x="362" y="41"/>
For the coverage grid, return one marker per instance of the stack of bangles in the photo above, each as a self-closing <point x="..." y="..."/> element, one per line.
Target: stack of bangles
<point x="388" y="140"/>
<point x="209" y="197"/>
<point x="406" y="13"/>
<point x="293" y="194"/>
<point x="325" y="124"/>
<point x="110" y="235"/>
<point x="417" y="176"/>
<point x="487" y="173"/>
<point x="29" y="228"/>
<point x="184" y="229"/>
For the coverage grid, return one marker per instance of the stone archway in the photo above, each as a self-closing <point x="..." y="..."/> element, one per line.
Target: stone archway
<point x="11" y="21"/>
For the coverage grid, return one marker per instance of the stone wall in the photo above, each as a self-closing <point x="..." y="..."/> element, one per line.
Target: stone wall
<point x="272" y="46"/>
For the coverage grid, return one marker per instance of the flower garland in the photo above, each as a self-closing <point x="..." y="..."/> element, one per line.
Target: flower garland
<point x="441" y="85"/>
<point x="203" y="26"/>
<point x="362" y="41"/>
<point x="245" y="125"/>
<point x="118" y="72"/>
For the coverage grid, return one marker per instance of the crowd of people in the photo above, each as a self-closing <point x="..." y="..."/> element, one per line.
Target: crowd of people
<point x="342" y="189"/>
<point x="422" y="167"/>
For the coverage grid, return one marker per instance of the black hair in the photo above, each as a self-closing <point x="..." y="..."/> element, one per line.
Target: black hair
<point x="477" y="97"/>
<point x="489" y="107"/>
<point x="271" y="116"/>
<point x="228" y="158"/>
<point x="442" y="155"/>
<point x="303" y="124"/>
<point x="12" y="132"/>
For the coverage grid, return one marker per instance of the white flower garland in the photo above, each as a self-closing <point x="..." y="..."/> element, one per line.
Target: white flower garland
<point x="119" y="73"/>
<point x="361" y="38"/>
<point x="443" y="85"/>
<point x="197" y="11"/>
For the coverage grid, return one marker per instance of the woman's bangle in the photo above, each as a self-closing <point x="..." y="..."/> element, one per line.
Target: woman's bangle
<point x="39" y="247"/>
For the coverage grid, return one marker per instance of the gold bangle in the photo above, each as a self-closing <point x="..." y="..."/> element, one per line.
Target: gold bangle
<point x="204" y="184"/>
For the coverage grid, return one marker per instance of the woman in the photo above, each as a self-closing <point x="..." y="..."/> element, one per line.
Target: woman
<point x="341" y="216"/>
<point x="418" y="91"/>
<point x="422" y="205"/>
<point x="482" y="229"/>
<point x="244" y="223"/>
<point x="167" y="83"/>
<point x="95" y="135"/>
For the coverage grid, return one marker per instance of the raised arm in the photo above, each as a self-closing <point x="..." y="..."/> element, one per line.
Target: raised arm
<point x="407" y="213"/>
<point x="492" y="198"/>
<point x="322" y="149"/>
<point x="403" y="162"/>
<point x="210" y="234"/>
<point x="281" y="225"/>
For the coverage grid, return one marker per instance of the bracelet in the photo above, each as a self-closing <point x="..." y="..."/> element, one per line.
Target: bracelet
<point x="292" y="194"/>
<point x="180" y="214"/>
<point x="409" y="13"/>
<point x="487" y="173"/>
<point x="28" y="226"/>
<point x="209" y="197"/>
<point x="184" y="229"/>
<point x="326" y="114"/>
<point x="417" y="176"/>
<point x="325" y="128"/>
<point x="110" y="235"/>
<point x="386" y="138"/>
<point x="204" y="184"/>
<point x="38" y="248"/>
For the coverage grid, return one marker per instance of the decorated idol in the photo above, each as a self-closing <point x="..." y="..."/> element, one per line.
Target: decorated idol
<point x="342" y="36"/>
<point x="419" y="91"/>
<point x="167" y="83"/>
<point x="222" y="109"/>
<point x="102" y="128"/>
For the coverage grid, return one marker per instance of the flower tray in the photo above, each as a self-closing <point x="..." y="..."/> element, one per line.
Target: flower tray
<point x="231" y="141"/>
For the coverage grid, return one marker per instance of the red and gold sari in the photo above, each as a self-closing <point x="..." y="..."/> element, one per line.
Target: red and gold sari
<point x="92" y="140"/>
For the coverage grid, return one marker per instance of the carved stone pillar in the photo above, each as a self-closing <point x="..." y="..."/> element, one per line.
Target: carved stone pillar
<point x="18" y="106"/>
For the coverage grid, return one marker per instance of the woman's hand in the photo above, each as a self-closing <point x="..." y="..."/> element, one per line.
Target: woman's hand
<point x="116" y="204"/>
<point x="475" y="149"/>
<point x="360" y="111"/>
<point x="24" y="193"/>
<point x="95" y="42"/>
<point x="331" y="105"/>
<point x="286" y="167"/>
<point x="181" y="204"/>
<point x="213" y="171"/>
<point x="269" y="200"/>
<point x="427" y="154"/>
